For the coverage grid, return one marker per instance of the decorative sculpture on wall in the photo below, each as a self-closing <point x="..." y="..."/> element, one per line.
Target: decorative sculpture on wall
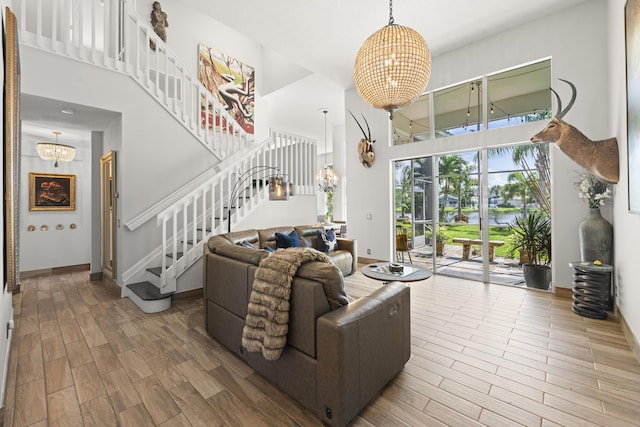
<point x="159" y="23"/>
<point x="600" y="158"/>
<point x="365" y="146"/>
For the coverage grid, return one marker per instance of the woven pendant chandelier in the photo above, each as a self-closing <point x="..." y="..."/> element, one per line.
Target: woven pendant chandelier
<point x="393" y="66"/>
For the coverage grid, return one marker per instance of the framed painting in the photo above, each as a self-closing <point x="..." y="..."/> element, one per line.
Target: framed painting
<point x="52" y="192"/>
<point x="11" y="166"/>
<point x="632" y="37"/>
<point x="232" y="83"/>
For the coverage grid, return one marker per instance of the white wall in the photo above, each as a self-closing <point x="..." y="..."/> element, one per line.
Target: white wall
<point x="6" y="316"/>
<point x="339" y="158"/>
<point x="148" y="142"/>
<point x="298" y="210"/>
<point x="189" y="27"/>
<point x="41" y="249"/>
<point x="626" y="225"/>
<point x="562" y="36"/>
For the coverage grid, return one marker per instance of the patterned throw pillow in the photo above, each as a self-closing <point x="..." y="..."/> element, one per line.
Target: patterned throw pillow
<point x="247" y="244"/>
<point x="327" y="241"/>
<point x="290" y="240"/>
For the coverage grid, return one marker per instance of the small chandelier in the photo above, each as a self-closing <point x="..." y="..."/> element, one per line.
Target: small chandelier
<point x="327" y="177"/>
<point x="56" y="152"/>
<point x="393" y="67"/>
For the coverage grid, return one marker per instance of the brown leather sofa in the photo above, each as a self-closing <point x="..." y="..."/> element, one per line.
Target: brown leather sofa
<point x="345" y="257"/>
<point x="339" y="354"/>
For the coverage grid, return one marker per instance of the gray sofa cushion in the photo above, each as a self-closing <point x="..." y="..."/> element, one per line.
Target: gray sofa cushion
<point x="332" y="281"/>
<point x="343" y="260"/>
<point x="309" y="235"/>
<point x="236" y="237"/>
<point x="240" y="253"/>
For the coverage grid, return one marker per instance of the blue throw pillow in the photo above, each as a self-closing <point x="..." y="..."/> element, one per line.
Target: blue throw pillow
<point x="290" y="240"/>
<point x="327" y="241"/>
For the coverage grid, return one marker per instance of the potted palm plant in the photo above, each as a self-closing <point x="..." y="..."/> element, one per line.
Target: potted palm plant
<point x="533" y="238"/>
<point x="440" y="240"/>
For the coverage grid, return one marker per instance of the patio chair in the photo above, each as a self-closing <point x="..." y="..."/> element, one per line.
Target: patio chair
<point x="402" y="244"/>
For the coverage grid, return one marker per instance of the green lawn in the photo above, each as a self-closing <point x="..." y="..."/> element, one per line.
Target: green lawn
<point x="473" y="232"/>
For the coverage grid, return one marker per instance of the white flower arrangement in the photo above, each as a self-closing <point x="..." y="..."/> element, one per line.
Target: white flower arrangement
<point x="593" y="191"/>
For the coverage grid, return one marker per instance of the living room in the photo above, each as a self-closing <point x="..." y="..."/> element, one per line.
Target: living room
<point x="560" y="36"/>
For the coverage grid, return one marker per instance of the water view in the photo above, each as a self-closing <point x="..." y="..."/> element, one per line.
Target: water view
<point x="495" y="218"/>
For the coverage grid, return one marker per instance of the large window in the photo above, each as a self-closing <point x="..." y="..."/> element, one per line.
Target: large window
<point x="413" y="123"/>
<point x="505" y="98"/>
<point x="520" y="95"/>
<point x="458" y="109"/>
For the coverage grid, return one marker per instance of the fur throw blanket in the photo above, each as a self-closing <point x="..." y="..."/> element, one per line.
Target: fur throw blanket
<point x="267" y="323"/>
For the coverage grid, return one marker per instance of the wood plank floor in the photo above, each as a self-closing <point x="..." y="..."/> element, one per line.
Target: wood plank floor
<point x="481" y="355"/>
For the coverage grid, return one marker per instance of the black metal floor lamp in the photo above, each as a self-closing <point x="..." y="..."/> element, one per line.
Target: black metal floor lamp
<point x="278" y="189"/>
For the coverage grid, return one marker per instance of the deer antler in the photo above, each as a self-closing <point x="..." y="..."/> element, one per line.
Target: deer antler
<point x="367" y="137"/>
<point x="560" y="114"/>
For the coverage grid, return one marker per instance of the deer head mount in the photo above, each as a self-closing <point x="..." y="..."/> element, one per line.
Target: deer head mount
<point x="600" y="158"/>
<point x="365" y="146"/>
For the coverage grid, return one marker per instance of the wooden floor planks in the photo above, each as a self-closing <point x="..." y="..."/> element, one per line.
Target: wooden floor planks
<point x="481" y="355"/>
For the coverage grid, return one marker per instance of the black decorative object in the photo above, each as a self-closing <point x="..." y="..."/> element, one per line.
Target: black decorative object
<point x="591" y="289"/>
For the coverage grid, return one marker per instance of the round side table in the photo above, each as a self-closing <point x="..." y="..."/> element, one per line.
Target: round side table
<point x="380" y="271"/>
<point x="591" y="289"/>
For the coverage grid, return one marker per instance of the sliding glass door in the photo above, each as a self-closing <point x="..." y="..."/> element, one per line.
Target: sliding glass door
<point x="468" y="231"/>
<point x="457" y="231"/>
<point x="518" y="184"/>
<point x="414" y="204"/>
<point x="458" y="209"/>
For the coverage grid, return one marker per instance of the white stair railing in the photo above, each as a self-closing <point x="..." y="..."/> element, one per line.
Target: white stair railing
<point x="107" y="33"/>
<point x="202" y="212"/>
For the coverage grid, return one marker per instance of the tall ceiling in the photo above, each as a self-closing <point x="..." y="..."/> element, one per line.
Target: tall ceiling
<point x="320" y="40"/>
<point x="324" y="36"/>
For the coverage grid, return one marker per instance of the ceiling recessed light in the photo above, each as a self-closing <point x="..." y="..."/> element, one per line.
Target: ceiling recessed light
<point x="67" y="111"/>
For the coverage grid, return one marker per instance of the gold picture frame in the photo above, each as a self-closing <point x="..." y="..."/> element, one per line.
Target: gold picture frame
<point x="52" y="192"/>
<point x="632" y="45"/>
<point x="12" y="152"/>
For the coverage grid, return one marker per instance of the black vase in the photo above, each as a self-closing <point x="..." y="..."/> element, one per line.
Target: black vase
<point x="536" y="276"/>
<point x="596" y="238"/>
